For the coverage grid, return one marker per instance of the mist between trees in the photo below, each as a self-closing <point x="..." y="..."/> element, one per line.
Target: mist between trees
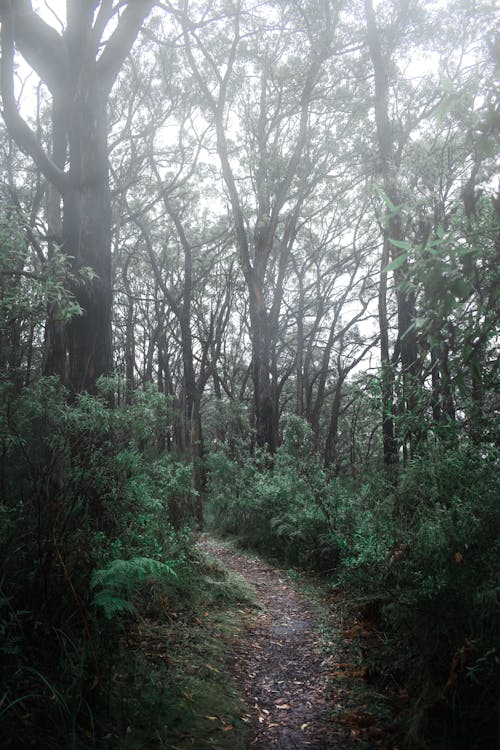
<point x="249" y="268"/>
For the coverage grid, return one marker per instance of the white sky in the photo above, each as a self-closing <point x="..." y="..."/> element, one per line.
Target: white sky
<point x="53" y="11"/>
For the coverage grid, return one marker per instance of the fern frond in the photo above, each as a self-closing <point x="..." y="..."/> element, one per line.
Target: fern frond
<point x="112" y="605"/>
<point x="119" y="574"/>
<point x="120" y="578"/>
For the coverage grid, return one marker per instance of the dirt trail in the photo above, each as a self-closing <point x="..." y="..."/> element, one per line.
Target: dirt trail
<point x="280" y="665"/>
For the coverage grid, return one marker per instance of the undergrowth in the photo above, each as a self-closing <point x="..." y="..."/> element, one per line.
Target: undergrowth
<point x="418" y="559"/>
<point x="89" y="560"/>
<point x="169" y="684"/>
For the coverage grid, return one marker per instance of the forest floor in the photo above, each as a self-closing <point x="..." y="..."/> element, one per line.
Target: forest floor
<point x="297" y="663"/>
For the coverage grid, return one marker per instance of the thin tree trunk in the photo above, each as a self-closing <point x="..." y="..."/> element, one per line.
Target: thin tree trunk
<point x="393" y="236"/>
<point x="331" y="444"/>
<point x="389" y="445"/>
<point x="129" y="336"/>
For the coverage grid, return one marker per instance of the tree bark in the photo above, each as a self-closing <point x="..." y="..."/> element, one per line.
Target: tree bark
<point x="331" y="445"/>
<point x="393" y="236"/>
<point x="389" y="444"/>
<point x="79" y="79"/>
<point x="129" y="352"/>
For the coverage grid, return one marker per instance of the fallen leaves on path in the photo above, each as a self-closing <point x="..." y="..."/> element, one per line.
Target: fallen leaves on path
<point x="288" y="682"/>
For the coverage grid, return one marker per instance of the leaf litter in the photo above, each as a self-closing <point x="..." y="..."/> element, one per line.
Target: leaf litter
<point x="296" y="697"/>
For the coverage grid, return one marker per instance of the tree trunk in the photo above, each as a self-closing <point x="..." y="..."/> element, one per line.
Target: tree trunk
<point x="389" y="445"/>
<point x="331" y="444"/>
<point x="299" y="365"/>
<point x="261" y="370"/>
<point x="445" y="384"/>
<point x="80" y="85"/>
<point x="87" y="232"/>
<point x="189" y="375"/>
<point x="393" y="236"/>
<point x="198" y="461"/>
<point x="55" y="343"/>
<point x="129" y="337"/>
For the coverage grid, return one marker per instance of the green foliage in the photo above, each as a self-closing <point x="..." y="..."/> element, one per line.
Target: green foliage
<point x="121" y="578"/>
<point x="169" y="683"/>
<point x="228" y="428"/>
<point x="287" y="510"/>
<point x="29" y="285"/>
<point x="425" y="557"/>
<point x="86" y="542"/>
<point x="420" y="557"/>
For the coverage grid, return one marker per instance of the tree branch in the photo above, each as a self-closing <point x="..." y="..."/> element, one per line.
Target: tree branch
<point x="121" y="41"/>
<point x="40" y="44"/>
<point x="18" y="129"/>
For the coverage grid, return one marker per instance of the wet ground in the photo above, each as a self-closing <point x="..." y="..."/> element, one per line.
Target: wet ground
<point x="283" y="670"/>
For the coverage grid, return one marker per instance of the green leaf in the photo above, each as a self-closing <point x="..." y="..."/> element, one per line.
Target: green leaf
<point x="396" y="263"/>
<point x="390" y="205"/>
<point x="112" y="605"/>
<point x="400" y="244"/>
<point x="466" y="250"/>
<point x="121" y="578"/>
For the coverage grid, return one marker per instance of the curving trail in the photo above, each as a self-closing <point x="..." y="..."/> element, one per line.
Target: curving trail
<point x="279" y="664"/>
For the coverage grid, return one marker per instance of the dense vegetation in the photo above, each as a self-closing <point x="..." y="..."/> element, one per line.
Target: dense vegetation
<point x="250" y="278"/>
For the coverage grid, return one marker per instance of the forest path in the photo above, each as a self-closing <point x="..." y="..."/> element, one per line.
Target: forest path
<point x="280" y="666"/>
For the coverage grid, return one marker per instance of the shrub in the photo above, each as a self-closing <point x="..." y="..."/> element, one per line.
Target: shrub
<point x="420" y="557"/>
<point x="285" y="510"/>
<point x="85" y="516"/>
<point x="429" y="557"/>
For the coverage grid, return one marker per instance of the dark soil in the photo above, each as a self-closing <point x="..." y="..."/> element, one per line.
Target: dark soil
<point x="298" y="696"/>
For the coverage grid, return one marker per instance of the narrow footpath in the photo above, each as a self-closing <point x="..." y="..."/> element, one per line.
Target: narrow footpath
<point x="284" y="673"/>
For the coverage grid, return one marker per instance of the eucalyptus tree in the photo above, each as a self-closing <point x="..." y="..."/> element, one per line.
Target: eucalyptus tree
<point x="166" y="231"/>
<point x="351" y="349"/>
<point x="434" y="146"/>
<point x="389" y="154"/>
<point x="456" y="266"/>
<point x="404" y="104"/>
<point x="264" y="104"/>
<point x="78" y="65"/>
<point x="333" y="291"/>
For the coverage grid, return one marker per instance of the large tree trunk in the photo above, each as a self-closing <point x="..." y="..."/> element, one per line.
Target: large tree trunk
<point x="55" y="344"/>
<point x="79" y="71"/>
<point x="86" y="207"/>
<point x="87" y="238"/>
